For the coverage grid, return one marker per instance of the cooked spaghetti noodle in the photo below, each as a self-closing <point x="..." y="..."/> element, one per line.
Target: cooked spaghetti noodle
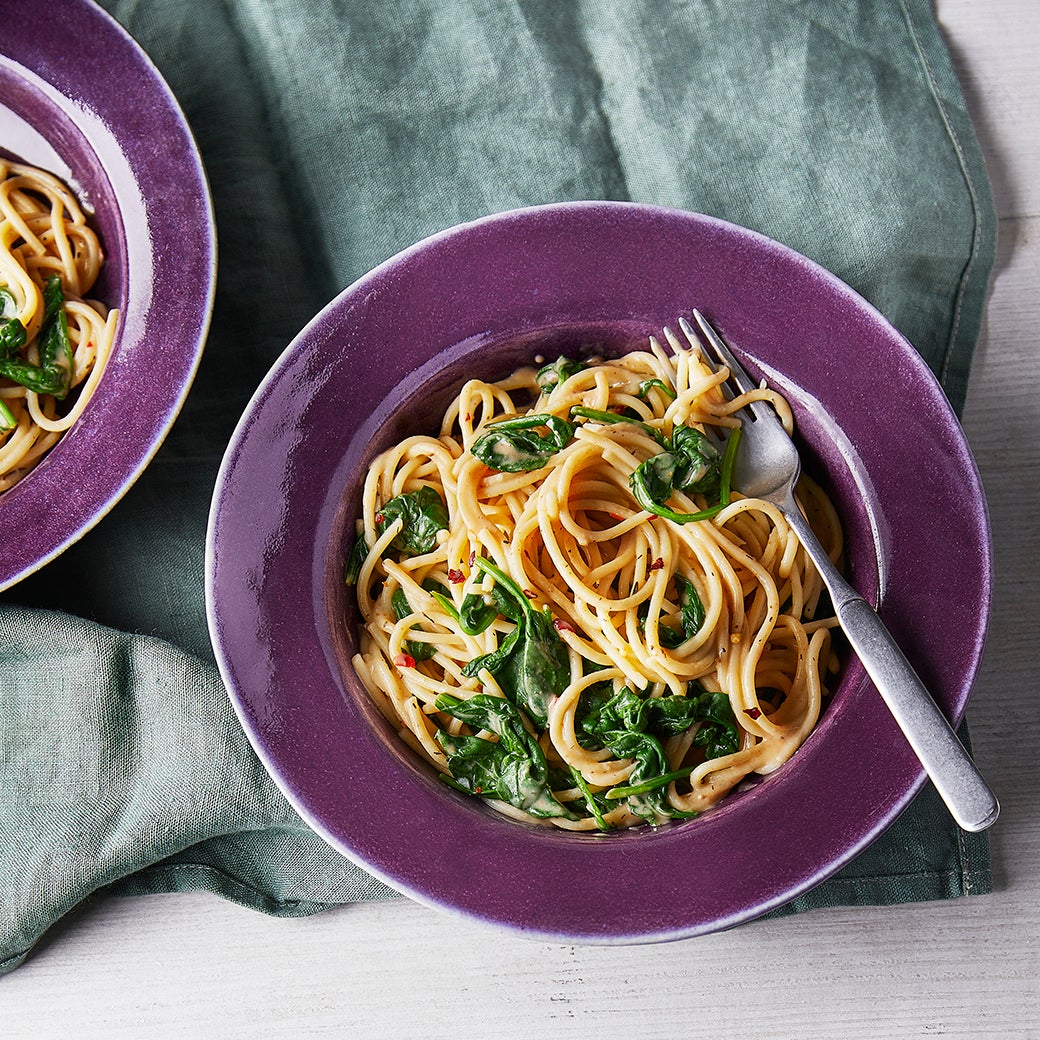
<point x="53" y="340"/>
<point x="566" y="610"/>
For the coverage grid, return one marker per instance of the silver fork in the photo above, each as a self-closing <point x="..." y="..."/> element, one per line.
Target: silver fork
<point x="766" y="467"/>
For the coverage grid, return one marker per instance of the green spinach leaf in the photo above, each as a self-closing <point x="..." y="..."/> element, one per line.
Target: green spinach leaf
<point x="650" y="384"/>
<point x="699" y="463"/>
<point x="644" y="788"/>
<point x="685" y="468"/>
<point x="691" y="609"/>
<point x="355" y="560"/>
<point x="633" y="725"/>
<point x="655" y="477"/>
<point x="531" y="663"/>
<point x="691" y="615"/>
<point x="415" y="648"/>
<point x="512" y="769"/>
<point x="12" y="331"/>
<point x="602" y="711"/>
<point x="478" y="610"/>
<point x="53" y="340"/>
<point x="424" y="515"/>
<point x="718" y="734"/>
<point x="12" y="338"/>
<point x="516" y="446"/>
<point x="559" y="371"/>
<point x="595" y="803"/>
<point x="476" y="614"/>
<point x="53" y="375"/>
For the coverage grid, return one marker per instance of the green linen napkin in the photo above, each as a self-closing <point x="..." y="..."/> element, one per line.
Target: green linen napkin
<point x="336" y="132"/>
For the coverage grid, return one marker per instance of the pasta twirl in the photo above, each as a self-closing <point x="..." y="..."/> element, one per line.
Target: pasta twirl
<point x="53" y="340"/>
<point x="566" y="609"/>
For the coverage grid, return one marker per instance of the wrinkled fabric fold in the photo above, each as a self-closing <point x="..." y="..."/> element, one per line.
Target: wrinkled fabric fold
<point x="337" y="132"/>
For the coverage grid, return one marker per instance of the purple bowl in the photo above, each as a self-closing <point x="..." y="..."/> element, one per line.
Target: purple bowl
<point x="379" y="362"/>
<point x="108" y="125"/>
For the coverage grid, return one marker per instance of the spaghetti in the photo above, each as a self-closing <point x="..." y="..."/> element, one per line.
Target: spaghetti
<point x="567" y="611"/>
<point x="53" y="340"/>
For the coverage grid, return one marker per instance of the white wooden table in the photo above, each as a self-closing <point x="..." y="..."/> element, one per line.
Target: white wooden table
<point x="191" y="966"/>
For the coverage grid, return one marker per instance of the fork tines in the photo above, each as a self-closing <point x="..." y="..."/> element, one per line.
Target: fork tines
<point x="722" y="352"/>
<point x="737" y="373"/>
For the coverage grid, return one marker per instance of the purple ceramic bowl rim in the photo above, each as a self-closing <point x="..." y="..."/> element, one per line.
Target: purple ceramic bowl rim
<point x="161" y="250"/>
<point x="384" y="860"/>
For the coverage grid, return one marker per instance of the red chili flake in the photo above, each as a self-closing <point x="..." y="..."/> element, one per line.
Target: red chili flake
<point x="380" y="518"/>
<point x="478" y="790"/>
<point x="404" y="661"/>
<point x="530" y="595"/>
<point x="561" y="625"/>
<point x="753" y="713"/>
<point x="616" y="516"/>
<point x="469" y="417"/>
<point x="456" y="577"/>
<point x="657" y="564"/>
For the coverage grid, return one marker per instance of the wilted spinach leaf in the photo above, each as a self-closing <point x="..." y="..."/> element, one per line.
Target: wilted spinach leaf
<point x="687" y="466"/>
<point x="699" y="463"/>
<point x="516" y="446"/>
<point x="691" y="615"/>
<point x="512" y="769"/>
<point x="424" y="515"/>
<point x="12" y="338"/>
<point x="415" y="648"/>
<point x="530" y="663"/>
<point x="650" y="384"/>
<point x="718" y="734"/>
<point x="355" y="560"/>
<point x="53" y="375"/>
<point x="559" y="371"/>
<point x="632" y="725"/>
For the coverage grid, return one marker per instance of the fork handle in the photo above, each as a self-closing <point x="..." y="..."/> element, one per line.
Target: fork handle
<point x="962" y="787"/>
<point x="955" y="776"/>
